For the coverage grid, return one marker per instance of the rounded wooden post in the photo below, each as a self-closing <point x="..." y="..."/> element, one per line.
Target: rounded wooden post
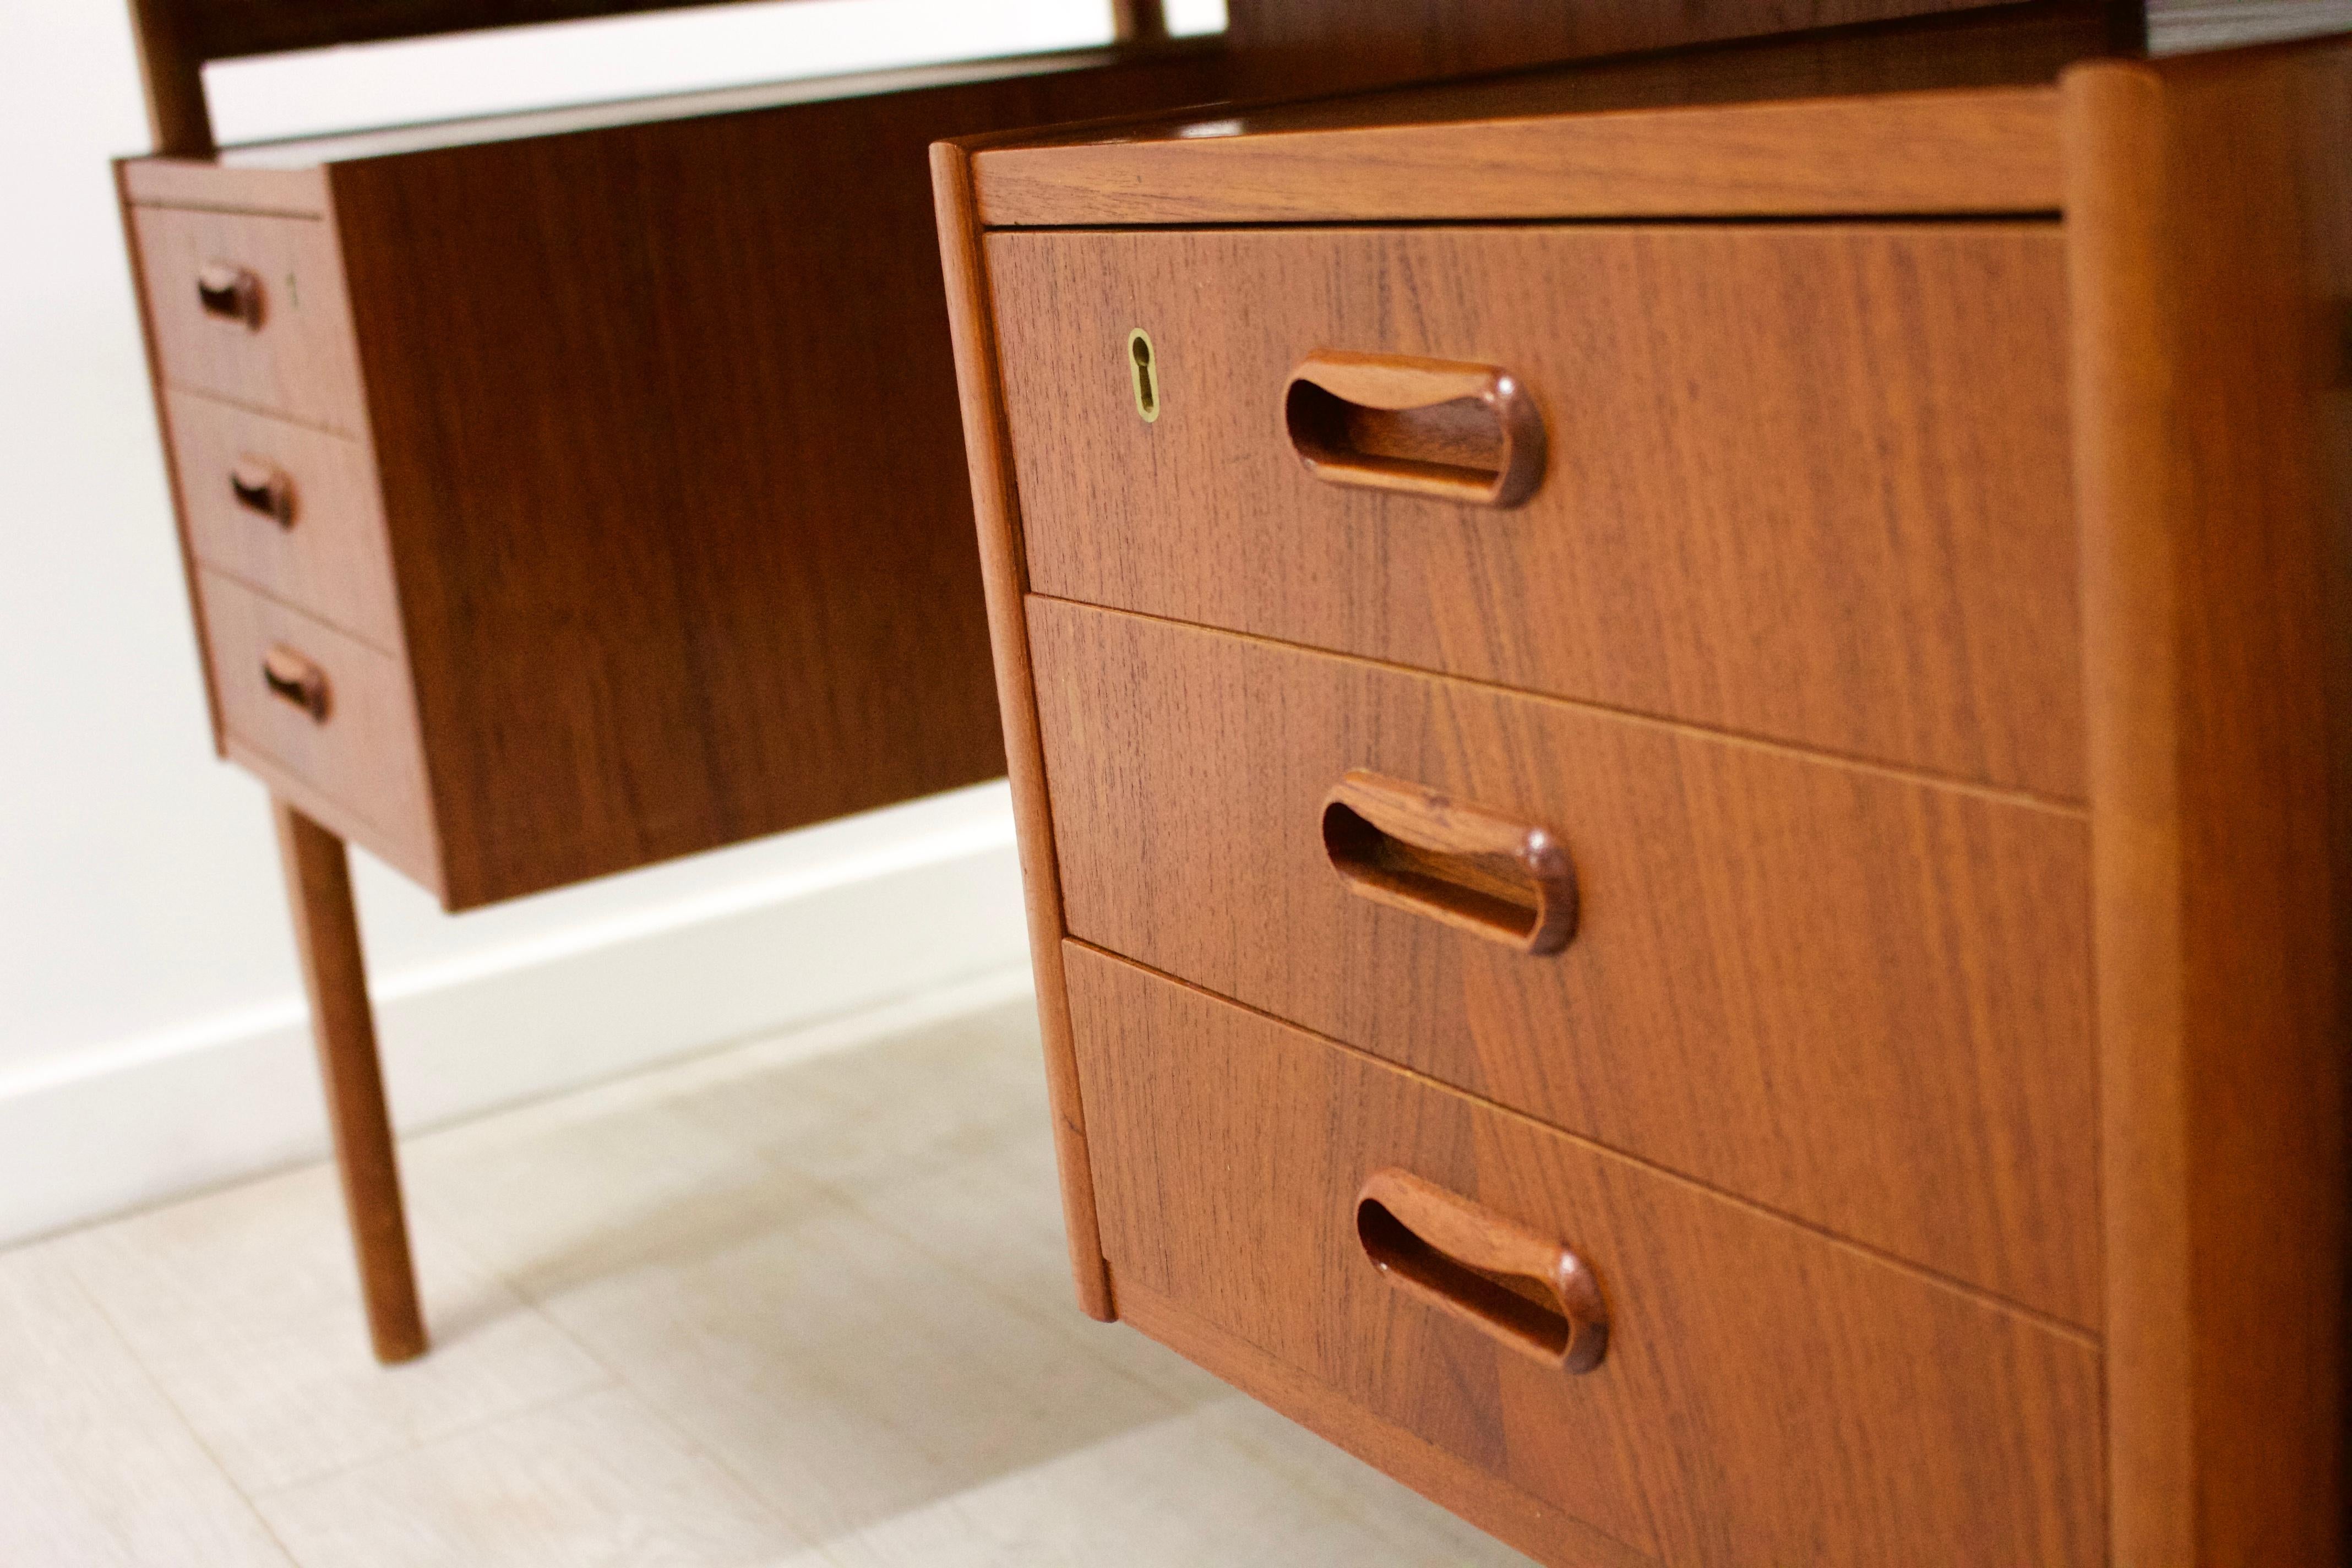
<point x="1139" y="21"/>
<point x="327" y="936"/>
<point x="173" y="73"/>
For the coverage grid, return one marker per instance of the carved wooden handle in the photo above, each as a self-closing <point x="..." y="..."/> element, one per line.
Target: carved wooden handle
<point x="294" y="679"/>
<point x="1410" y="847"/>
<point x="231" y="292"/>
<point x="1529" y="1291"/>
<point x="261" y="485"/>
<point x="1467" y="433"/>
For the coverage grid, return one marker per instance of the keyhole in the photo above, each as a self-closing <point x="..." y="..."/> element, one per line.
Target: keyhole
<point x="1144" y="365"/>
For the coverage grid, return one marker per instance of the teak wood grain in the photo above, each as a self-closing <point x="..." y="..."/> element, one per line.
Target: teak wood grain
<point x="177" y="38"/>
<point x="329" y="557"/>
<point x="171" y="75"/>
<point x="1415" y="849"/>
<point x="745" y="535"/>
<point x="666" y="548"/>
<point x="334" y="978"/>
<point x="259" y="165"/>
<point x="1769" y="1396"/>
<point x="1808" y="483"/>
<point x="1294" y="49"/>
<point x="1384" y="40"/>
<point x="2208" y="257"/>
<point x="1399" y="40"/>
<point x="1529" y="1291"/>
<point x="207" y="185"/>
<point x="1858" y="998"/>
<point x="1983" y="151"/>
<point x="2213" y="359"/>
<point x="227" y="29"/>
<point x="299" y="361"/>
<point x="1535" y="1527"/>
<point x="363" y="751"/>
<point x="1779" y="127"/>
<point x="997" y="511"/>
<point x="1394" y="36"/>
<point x="159" y="400"/>
<point x="664" y="428"/>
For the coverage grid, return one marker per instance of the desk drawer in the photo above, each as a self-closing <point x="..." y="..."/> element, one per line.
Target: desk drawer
<point x="291" y="509"/>
<point x="1765" y="1396"/>
<point x="252" y="309"/>
<point x="1852" y="997"/>
<point x="355" y="742"/>
<point x="1807" y="484"/>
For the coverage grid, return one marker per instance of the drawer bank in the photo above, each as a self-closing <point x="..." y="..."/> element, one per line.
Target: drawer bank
<point x="566" y="491"/>
<point x="1677" y="729"/>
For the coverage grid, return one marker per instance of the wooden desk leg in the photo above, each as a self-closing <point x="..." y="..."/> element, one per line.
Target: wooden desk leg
<point x="327" y="935"/>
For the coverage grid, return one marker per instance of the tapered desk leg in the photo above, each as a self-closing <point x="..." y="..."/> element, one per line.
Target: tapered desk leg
<point x="327" y="934"/>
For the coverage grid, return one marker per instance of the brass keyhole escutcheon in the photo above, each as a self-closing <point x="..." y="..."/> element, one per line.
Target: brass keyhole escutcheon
<point x="1143" y="363"/>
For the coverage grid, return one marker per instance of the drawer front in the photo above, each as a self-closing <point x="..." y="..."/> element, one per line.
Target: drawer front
<point x="288" y="508"/>
<point x="1857" y="998"/>
<point x="1804" y="483"/>
<point x="252" y="309"/>
<point x="361" y="751"/>
<point x="1766" y="1396"/>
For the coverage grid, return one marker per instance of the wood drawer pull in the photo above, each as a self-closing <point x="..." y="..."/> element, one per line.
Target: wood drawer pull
<point x="294" y="679"/>
<point x="1412" y="848"/>
<point x="230" y="292"/>
<point x="1465" y="433"/>
<point x="1510" y="1283"/>
<point x="261" y="485"/>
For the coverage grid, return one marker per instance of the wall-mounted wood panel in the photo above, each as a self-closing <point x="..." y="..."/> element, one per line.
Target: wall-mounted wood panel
<point x="1361" y="42"/>
<point x="226" y="29"/>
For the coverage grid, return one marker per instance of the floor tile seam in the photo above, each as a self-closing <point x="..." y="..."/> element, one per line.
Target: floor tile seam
<point x="1305" y="1478"/>
<point x="410" y="1445"/>
<point x="843" y="1200"/>
<point x="444" y="1241"/>
<point x="618" y="1379"/>
<point x="844" y="1197"/>
<point x="95" y="1300"/>
<point x="1055" y="1323"/>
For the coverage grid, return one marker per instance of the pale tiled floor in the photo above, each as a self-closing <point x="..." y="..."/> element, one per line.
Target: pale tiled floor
<point x="799" y="1304"/>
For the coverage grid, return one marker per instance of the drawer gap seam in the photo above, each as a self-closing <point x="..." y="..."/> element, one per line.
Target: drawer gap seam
<point x="1162" y="1313"/>
<point x="304" y="215"/>
<point x="2087" y="1338"/>
<point x="279" y="415"/>
<point x="307" y="611"/>
<point x="2029" y="800"/>
<point x="1990" y="215"/>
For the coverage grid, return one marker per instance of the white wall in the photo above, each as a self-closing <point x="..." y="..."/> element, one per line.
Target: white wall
<point x="149" y="1007"/>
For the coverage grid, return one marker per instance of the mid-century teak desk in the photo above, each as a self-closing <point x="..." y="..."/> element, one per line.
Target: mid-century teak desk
<point x="565" y="492"/>
<point x="1675" y="727"/>
<point x="1680" y="735"/>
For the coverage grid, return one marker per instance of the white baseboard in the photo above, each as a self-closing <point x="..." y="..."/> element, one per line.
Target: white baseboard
<point x="148" y="1120"/>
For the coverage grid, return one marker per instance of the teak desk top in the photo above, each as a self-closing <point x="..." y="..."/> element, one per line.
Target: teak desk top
<point x="1780" y="128"/>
